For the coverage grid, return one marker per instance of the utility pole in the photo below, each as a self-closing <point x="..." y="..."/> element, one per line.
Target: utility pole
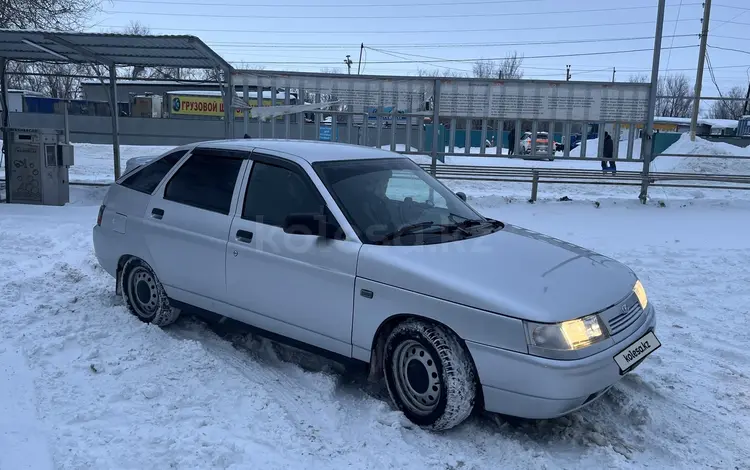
<point x="348" y="62"/>
<point x="614" y="71"/>
<point x="359" y="65"/>
<point x="699" y="72"/>
<point x="746" y="108"/>
<point x="567" y="73"/>
<point x="500" y="75"/>
<point x="647" y="152"/>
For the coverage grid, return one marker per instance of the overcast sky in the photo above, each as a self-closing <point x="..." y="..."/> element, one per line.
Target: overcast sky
<point x="402" y="36"/>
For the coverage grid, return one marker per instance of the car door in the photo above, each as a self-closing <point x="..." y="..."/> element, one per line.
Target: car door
<point x="300" y="286"/>
<point x="187" y="224"/>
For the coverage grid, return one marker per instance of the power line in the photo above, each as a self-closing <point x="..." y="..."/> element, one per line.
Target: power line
<point x="338" y="5"/>
<point x="403" y="57"/>
<point x="550" y="56"/>
<point x="730" y="6"/>
<point x="437" y="45"/>
<point x="669" y="56"/>
<point x="388" y="17"/>
<point x="729" y="49"/>
<point x="404" y="54"/>
<point x="438" y="58"/>
<point x="391" y="32"/>
<point x="734" y="38"/>
<point x="731" y="21"/>
<point x="713" y="77"/>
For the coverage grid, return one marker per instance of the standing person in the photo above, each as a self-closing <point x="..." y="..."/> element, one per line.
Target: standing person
<point x="609" y="149"/>
<point x="512" y="141"/>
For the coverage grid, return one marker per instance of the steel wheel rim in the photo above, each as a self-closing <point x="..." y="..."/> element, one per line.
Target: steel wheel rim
<point x="142" y="292"/>
<point x="416" y="377"/>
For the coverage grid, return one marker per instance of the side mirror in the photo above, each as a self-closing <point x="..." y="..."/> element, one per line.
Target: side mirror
<point x="461" y="196"/>
<point x="315" y="224"/>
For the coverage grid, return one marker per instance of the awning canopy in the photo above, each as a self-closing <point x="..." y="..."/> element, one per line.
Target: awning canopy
<point x="109" y="49"/>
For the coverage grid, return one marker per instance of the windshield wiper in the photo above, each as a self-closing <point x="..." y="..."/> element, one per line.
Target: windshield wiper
<point x="411" y="228"/>
<point x="467" y="222"/>
<point x="406" y="229"/>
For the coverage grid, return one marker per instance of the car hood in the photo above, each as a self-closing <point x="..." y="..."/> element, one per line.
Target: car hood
<point x="514" y="272"/>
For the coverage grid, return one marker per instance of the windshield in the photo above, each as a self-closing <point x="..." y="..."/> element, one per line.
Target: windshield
<point x="393" y="198"/>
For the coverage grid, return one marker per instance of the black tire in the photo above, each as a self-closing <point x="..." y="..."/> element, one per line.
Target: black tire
<point x="144" y="295"/>
<point x="429" y="374"/>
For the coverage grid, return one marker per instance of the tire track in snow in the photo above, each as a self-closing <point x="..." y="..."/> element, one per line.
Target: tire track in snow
<point x="182" y="405"/>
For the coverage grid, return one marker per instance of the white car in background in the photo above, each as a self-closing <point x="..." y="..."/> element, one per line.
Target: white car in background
<point x="541" y="147"/>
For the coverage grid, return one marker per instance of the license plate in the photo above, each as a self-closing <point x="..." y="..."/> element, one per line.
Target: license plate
<point x="631" y="356"/>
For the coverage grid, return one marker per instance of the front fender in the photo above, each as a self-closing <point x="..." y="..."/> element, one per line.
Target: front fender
<point x="470" y="324"/>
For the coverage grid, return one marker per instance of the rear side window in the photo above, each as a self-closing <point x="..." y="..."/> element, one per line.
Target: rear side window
<point x="147" y="179"/>
<point x="205" y="181"/>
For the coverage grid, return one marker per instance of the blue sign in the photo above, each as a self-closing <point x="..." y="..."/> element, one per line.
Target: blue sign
<point x="325" y="133"/>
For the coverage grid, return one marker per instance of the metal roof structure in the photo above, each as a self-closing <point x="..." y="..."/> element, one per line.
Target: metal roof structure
<point x="109" y="49"/>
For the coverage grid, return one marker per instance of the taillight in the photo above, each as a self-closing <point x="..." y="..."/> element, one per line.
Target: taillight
<point x="99" y="216"/>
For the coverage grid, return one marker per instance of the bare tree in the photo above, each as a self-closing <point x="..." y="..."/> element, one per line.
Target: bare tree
<point x="677" y="93"/>
<point x="639" y="78"/>
<point x="674" y="94"/>
<point x="485" y="69"/>
<point x="508" y="68"/>
<point x="137" y="28"/>
<point x="215" y="75"/>
<point x="334" y="70"/>
<point x="55" y="15"/>
<point x="728" y="109"/>
<point x="50" y="79"/>
<point x="442" y="73"/>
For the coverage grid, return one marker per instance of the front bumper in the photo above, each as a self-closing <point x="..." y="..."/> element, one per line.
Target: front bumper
<point x="532" y="387"/>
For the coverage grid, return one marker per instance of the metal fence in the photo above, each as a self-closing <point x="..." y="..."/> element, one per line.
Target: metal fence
<point x="539" y="120"/>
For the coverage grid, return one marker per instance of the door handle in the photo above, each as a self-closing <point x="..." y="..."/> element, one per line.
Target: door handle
<point x="157" y="213"/>
<point x="244" y="236"/>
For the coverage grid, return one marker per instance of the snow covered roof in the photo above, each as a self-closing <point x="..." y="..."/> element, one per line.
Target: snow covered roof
<point x="252" y="94"/>
<point x="716" y="123"/>
<point x="125" y="81"/>
<point x="104" y="48"/>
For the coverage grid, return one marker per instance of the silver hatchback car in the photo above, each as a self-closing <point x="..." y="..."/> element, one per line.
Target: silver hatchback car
<point x="359" y="254"/>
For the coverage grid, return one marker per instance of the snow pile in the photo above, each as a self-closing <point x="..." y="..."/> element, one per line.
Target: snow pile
<point x="729" y="165"/>
<point x="592" y="149"/>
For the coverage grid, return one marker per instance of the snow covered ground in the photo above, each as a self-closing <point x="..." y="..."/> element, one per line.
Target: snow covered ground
<point x="84" y="384"/>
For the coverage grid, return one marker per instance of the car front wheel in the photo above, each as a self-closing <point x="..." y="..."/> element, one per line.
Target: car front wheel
<point x="429" y="375"/>
<point x="144" y="295"/>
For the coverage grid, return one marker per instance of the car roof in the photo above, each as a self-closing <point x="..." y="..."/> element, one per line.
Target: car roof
<point x="308" y="150"/>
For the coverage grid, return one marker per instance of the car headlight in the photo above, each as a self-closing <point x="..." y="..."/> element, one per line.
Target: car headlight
<point x="640" y="292"/>
<point x="568" y="335"/>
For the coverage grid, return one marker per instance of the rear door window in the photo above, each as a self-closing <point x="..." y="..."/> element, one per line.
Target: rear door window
<point x="205" y="181"/>
<point x="148" y="178"/>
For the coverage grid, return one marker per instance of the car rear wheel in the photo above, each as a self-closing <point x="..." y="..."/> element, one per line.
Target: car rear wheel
<point x="144" y="295"/>
<point x="429" y="375"/>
